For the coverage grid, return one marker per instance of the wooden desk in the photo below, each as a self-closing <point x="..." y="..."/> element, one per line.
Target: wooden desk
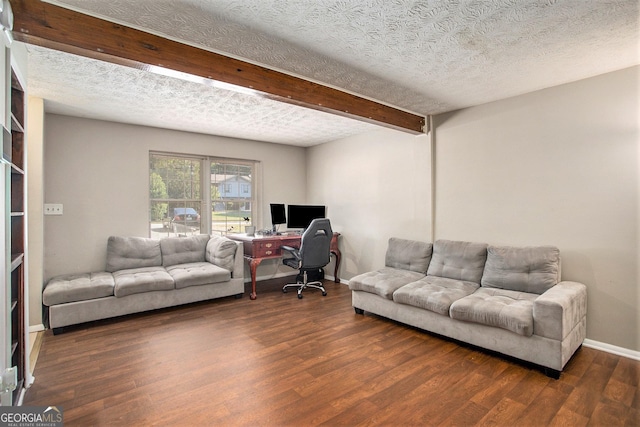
<point x="258" y="248"/>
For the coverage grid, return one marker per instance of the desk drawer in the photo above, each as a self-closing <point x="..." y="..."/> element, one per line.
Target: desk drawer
<point x="264" y="249"/>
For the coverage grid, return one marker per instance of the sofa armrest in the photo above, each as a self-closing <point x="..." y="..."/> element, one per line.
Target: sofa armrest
<point x="238" y="262"/>
<point x="226" y="253"/>
<point x="559" y="309"/>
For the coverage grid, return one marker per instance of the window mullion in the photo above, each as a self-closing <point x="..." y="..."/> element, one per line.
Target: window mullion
<point x="207" y="205"/>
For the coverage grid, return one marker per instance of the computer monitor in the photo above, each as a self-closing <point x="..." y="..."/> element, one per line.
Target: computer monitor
<point x="300" y="216"/>
<point x="277" y="214"/>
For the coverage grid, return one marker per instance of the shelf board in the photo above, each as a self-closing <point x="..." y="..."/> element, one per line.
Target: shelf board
<point x="16" y="260"/>
<point x="16" y="170"/>
<point x="17" y="213"/>
<point x="16" y="126"/>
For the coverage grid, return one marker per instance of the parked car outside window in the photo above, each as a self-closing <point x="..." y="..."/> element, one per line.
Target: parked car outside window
<point x="186" y="216"/>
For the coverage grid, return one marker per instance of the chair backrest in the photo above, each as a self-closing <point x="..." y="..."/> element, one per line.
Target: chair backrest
<point x="315" y="245"/>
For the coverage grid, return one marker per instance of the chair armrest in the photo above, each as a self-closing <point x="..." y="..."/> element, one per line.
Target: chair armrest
<point x="294" y="251"/>
<point x="558" y="310"/>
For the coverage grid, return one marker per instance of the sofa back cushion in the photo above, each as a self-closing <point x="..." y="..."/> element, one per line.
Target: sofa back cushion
<point x="183" y="250"/>
<point x="408" y="255"/>
<point x="221" y="251"/>
<point x="458" y="260"/>
<point x="124" y="253"/>
<point x="526" y="269"/>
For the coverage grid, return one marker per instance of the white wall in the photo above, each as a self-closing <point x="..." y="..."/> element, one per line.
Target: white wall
<point x="99" y="171"/>
<point x="375" y="186"/>
<point x="35" y="194"/>
<point x="559" y="167"/>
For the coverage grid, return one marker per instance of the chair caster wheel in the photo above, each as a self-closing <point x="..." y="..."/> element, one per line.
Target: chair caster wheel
<point x="284" y="291"/>
<point x="324" y="294"/>
<point x="299" y="296"/>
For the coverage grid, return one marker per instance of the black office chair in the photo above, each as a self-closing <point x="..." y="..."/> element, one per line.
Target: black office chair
<point x="313" y="255"/>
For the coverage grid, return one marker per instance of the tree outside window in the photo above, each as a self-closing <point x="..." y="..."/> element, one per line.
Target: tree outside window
<point x="177" y="202"/>
<point x="175" y="196"/>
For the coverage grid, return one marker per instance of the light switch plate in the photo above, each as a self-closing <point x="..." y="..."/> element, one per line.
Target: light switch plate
<point x="53" y="208"/>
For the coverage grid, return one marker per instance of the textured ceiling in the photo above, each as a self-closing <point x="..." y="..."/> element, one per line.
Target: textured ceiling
<point x="426" y="57"/>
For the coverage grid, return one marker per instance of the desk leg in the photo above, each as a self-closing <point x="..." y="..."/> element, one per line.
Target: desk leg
<point x="253" y="266"/>
<point x="338" y="258"/>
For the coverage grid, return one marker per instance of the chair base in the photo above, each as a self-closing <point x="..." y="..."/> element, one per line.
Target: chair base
<point x="302" y="286"/>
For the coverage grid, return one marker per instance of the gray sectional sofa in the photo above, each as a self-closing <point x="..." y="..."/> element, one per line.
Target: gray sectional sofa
<point x="145" y="274"/>
<point x="505" y="299"/>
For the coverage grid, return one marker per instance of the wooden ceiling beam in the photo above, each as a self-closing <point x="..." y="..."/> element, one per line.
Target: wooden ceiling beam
<point x="55" y="27"/>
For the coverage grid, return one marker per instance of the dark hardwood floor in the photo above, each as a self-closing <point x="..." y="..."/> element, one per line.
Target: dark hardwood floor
<point x="280" y="361"/>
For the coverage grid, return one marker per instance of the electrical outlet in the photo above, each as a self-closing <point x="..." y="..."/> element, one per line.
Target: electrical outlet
<point x="53" y="208"/>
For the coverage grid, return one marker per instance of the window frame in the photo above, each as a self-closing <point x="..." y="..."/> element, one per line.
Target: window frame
<point x="206" y="201"/>
<point x="255" y="214"/>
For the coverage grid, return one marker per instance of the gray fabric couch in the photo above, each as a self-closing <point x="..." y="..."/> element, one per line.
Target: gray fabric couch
<point x="145" y="274"/>
<point x="505" y="299"/>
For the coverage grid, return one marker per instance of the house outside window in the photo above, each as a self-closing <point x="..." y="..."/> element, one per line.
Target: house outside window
<point x="232" y="209"/>
<point x="180" y="187"/>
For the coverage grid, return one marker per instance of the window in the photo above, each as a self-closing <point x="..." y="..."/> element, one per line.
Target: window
<point x="175" y="195"/>
<point x="232" y="209"/>
<point x="177" y="200"/>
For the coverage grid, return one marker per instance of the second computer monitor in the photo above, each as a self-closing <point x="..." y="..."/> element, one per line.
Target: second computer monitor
<point x="300" y="216"/>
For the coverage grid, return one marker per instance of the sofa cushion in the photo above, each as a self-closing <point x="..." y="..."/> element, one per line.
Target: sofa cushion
<point x="527" y="269"/>
<point x="139" y="280"/>
<point x="77" y="287"/>
<point x="183" y="250"/>
<point x="132" y="252"/>
<point x="501" y="308"/>
<point x="197" y="273"/>
<point x="408" y="254"/>
<point x="458" y="260"/>
<point x="383" y="282"/>
<point x="434" y="293"/>
<point x="221" y="251"/>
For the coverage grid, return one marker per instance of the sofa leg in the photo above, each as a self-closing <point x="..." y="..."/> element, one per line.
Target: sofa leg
<point x="238" y="296"/>
<point x="358" y="310"/>
<point x="58" y="331"/>
<point x="552" y="373"/>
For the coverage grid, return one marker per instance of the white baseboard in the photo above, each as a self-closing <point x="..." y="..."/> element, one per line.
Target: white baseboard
<point x="36" y="328"/>
<point x="332" y="278"/>
<point x="619" y="351"/>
